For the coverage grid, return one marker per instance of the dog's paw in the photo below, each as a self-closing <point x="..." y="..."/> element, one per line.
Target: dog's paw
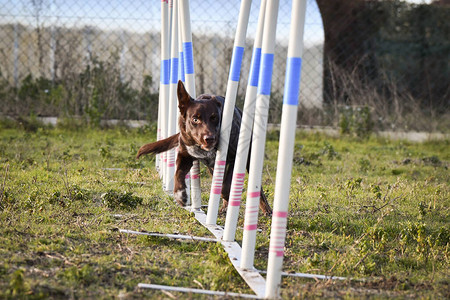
<point x="223" y="209"/>
<point x="181" y="197"/>
<point x="267" y="213"/>
<point x="265" y="209"/>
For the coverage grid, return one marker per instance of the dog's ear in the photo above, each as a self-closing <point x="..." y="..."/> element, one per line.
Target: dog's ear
<point x="218" y="101"/>
<point x="184" y="99"/>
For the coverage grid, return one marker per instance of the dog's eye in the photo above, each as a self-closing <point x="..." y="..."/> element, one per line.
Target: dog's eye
<point x="195" y="120"/>
<point x="213" y="118"/>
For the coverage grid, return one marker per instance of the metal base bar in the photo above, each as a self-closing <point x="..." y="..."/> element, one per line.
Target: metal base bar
<point x="120" y="169"/>
<point x="306" y="275"/>
<point x="171" y="236"/>
<point x="197" y="291"/>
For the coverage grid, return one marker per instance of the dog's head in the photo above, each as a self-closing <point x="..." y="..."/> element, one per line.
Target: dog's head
<point x="200" y="118"/>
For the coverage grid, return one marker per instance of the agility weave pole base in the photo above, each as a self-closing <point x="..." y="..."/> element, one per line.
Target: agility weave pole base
<point x="252" y="277"/>
<point x="215" y="240"/>
<point x="207" y="239"/>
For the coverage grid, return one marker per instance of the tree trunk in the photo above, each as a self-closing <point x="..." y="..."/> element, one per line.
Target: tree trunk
<point x="348" y="43"/>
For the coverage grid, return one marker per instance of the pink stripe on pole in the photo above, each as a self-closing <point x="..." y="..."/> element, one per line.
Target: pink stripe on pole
<point x="187" y="176"/>
<point x="217" y="191"/>
<point x="195" y="176"/>
<point x="279" y="253"/>
<point x="254" y="194"/>
<point x="172" y="165"/>
<point x="276" y="247"/>
<point x="250" y="227"/>
<point x="235" y="203"/>
<point x="221" y="162"/>
<point x="280" y="214"/>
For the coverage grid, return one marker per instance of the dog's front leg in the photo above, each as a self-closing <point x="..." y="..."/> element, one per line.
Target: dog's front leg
<point x="264" y="204"/>
<point x="184" y="164"/>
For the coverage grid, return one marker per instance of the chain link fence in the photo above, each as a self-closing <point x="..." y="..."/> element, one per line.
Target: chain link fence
<point x="375" y="64"/>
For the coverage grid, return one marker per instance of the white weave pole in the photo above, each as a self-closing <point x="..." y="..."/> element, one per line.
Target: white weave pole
<point x="259" y="135"/>
<point x="228" y="111"/>
<point x="186" y="35"/>
<point x="164" y="83"/>
<point x="181" y="75"/>
<point x="173" y="99"/>
<point x="167" y="101"/>
<point x="286" y="149"/>
<point x="169" y="21"/>
<point x="182" y="78"/>
<point x="245" y="133"/>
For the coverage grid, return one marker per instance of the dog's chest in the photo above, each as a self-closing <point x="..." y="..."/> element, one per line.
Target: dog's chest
<point x="207" y="157"/>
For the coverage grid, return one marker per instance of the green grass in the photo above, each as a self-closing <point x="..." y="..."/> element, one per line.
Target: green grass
<point x="374" y="210"/>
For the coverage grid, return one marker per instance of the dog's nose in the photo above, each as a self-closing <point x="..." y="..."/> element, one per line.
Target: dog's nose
<point x="209" y="138"/>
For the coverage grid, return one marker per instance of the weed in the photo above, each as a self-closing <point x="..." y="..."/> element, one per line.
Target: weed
<point x="356" y="121"/>
<point x="121" y="200"/>
<point x="84" y="275"/>
<point x="7" y="199"/>
<point x="329" y="152"/>
<point x="432" y="160"/>
<point x="376" y="190"/>
<point x="105" y="152"/>
<point x="364" y="164"/>
<point x="67" y="197"/>
<point x="17" y="284"/>
<point x="353" y="184"/>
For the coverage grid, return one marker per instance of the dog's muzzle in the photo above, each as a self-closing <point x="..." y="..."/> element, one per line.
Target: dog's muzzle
<point x="210" y="142"/>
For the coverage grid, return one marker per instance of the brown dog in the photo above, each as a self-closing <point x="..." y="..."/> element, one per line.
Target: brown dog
<point x="199" y="124"/>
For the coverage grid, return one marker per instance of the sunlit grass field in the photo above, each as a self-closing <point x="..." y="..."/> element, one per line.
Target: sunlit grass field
<point x="373" y="210"/>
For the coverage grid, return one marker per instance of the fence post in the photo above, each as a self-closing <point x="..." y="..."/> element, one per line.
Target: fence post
<point x="16" y="55"/>
<point x="286" y="149"/>
<point x="259" y="135"/>
<point x="53" y="40"/>
<point x="123" y="55"/>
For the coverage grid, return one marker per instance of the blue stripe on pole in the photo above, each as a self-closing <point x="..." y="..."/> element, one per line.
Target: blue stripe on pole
<point x="174" y="70"/>
<point x="254" y="67"/>
<point x="165" y="71"/>
<point x="292" y="84"/>
<point x="265" y="76"/>
<point x="181" y="73"/>
<point x="188" y="58"/>
<point x="236" y="62"/>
